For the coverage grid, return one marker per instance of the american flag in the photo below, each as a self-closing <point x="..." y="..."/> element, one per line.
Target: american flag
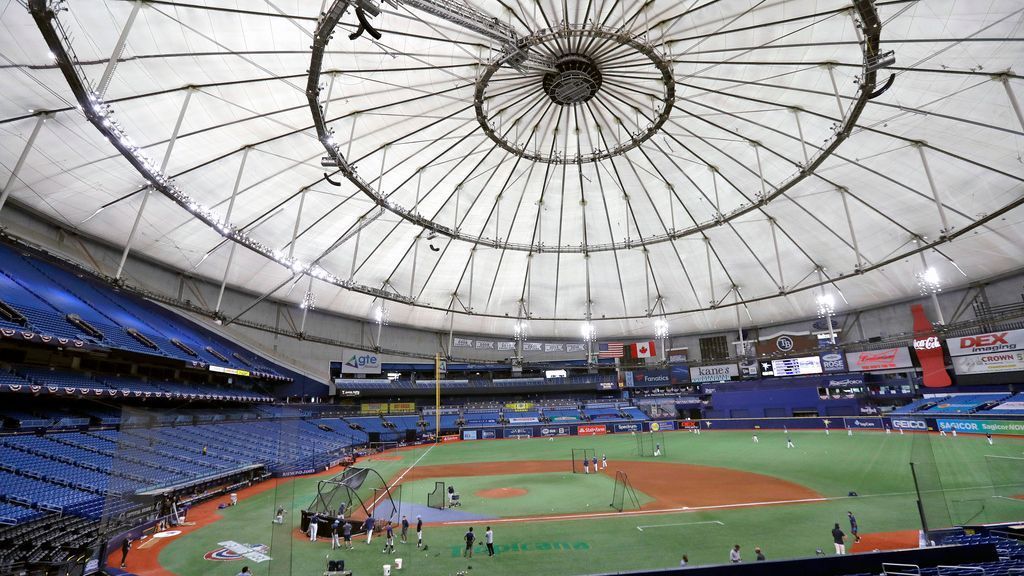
<point x="609" y="350"/>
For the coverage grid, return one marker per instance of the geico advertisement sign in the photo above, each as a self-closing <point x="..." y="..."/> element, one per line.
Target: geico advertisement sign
<point x="906" y="424"/>
<point x="983" y="426"/>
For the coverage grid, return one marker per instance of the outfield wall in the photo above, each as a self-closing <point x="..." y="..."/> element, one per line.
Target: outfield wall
<point x="909" y="423"/>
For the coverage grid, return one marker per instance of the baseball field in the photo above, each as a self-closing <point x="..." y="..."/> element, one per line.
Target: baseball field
<point x="703" y="495"/>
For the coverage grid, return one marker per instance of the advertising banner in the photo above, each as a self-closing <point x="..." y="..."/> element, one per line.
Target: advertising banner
<point x="661" y="426"/>
<point x="519" y="406"/>
<point x="715" y="373"/>
<point x="620" y="427"/>
<point x="469" y="434"/>
<point x="850" y="381"/>
<point x="863" y="423"/>
<point x="650" y="378"/>
<point x="990" y="343"/>
<point x="359" y="362"/>
<point x="399" y="407"/>
<point x="521" y="420"/>
<point x="989" y="363"/>
<point x="909" y="424"/>
<point x="833" y="361"/>
<point x="1015" y="427"/>
<point x="489" y="434"/>
<point x="373" y="408"/>
<point x="884" y="359"/>
<point x="462" y="342"/>
<point x="519" y="432"/>
<point x="928" y="349"/>
<point x="687" y="424"/>
<point x="555" y="430"/>
<point x="556" y="347"/>
<point x="591" y="430"/>
<point x="607" y="386"/>
<point x="679" y="374"/>
<point x="449" y="438"/>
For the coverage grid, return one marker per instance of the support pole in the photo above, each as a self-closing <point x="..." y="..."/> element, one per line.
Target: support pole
<point x="21" y="159"/>
<point x="835" y="88"/>
<point x="935" y="191"/>
<point x="227" y="223"/>
<point x="778" y="257"/>
<point x="115" y="55"/>
<point x="1013" y="100"/>
<point x="437" y="397"/>
<point x="298" y="222"/>
<point x="935" y="297"/>
<point x="148" y="191"/>
<point x="800" y="133"/>
<point x="305" y="309"/>
<point x="849" y="223"/>
<point x="711" y="276"/>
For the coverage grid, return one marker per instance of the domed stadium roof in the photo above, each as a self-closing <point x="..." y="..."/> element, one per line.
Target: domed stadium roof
<point x="560" y="161"/>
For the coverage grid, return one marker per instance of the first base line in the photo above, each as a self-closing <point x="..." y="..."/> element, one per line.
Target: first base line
<point x="719" y="522"/>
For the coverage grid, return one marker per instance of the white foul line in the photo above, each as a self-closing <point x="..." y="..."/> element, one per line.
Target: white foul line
<point x="398" y="480"/>
<point x="719" y="522"/>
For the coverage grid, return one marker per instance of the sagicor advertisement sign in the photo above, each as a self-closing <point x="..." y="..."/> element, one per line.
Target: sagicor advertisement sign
<point x="1015" y="427"/>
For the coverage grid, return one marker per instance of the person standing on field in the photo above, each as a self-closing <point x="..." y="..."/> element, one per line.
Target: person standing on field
<point x="470" y="538"/>
<point x="853" y="527"/>
<point x="314" y="520"/>
<point x="419" y="531"/>
<point x="604" y="462"/>
<point x="839" y="539"/>
<point x="755" y="438"/>
<point x="734" y="555"/>
<point x="405" y="528"/>
<point x="489" y="539"/>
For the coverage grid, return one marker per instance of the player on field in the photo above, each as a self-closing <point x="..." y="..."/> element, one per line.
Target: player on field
<point x="853" y="526"/>
<point x="789" y="441"/>
<point x="419" y="531"/>
<point x="594" y="462"/>
<point x="586" y="465"/>
<point x="389" y="542"/>
<point x="839" y="539"/>
<point x="405" y="528"/>
<point x="470" y="538"/>
<point x="755" y="438"/>
<point x="604" y="462"/>
<point x="657" y="449"/>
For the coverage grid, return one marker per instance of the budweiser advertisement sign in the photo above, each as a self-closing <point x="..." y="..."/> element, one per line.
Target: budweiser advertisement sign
<point x="884" y="359"/>
<point x="928" y="350"/>
<point x="1007" y="341"/>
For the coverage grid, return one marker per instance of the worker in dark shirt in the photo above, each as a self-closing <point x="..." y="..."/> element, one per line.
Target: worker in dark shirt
<point x="470" y="538"/>
<point x="839" y="539"/>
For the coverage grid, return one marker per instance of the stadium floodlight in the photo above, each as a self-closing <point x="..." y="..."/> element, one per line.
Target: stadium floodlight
<point x="519" y="330"/>
<point x="308" y="301"/>
<point x="380" y="315"/>
<point x="826" y="305"/>
<point x="929" y="281"/>
<point x="588" y="331"/>
<point x="661" y="329"/>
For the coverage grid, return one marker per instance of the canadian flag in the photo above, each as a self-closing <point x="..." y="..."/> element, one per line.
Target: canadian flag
<point x="643" y="349"/>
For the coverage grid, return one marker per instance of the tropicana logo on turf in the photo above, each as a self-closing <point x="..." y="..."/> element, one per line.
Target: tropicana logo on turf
<point x="230" y="550"/>
<point x="530" y="547"/>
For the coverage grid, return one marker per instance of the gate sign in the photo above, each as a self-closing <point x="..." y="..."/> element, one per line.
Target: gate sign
<point x="716" y="373"/>
<point x="991" y="343"/>
<point x="884" y="359"/>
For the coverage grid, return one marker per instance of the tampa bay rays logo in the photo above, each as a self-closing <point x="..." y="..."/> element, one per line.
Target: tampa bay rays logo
<point x="234" y="551"/>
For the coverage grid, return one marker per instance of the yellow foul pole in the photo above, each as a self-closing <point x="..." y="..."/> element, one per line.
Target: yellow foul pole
<point x="437" y="397"/>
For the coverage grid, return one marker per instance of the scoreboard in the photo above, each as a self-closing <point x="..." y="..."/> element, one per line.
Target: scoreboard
<point x="801" y="366"/>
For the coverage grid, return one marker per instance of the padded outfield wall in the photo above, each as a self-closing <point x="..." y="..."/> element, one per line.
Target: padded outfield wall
<point x="996" y="425"/>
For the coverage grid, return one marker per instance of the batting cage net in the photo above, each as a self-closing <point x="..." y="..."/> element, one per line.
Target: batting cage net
<point x="435" y="499"/>
<point x="581" y="456"/>
<point x="356" y="493"/>
<point x="623" y="495"/>
<point x="650" y="444"/>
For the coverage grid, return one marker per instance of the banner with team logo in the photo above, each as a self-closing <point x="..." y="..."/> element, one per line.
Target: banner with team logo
<point x="230" y="550"/>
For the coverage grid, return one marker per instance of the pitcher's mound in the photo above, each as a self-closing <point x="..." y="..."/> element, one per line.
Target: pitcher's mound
<point x="501" y="493"/>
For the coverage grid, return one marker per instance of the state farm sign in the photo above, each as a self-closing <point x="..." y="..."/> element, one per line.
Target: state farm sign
<point x="992" y="342"/>
<point x="591" y="430"/>
<point x="885" y="359"/>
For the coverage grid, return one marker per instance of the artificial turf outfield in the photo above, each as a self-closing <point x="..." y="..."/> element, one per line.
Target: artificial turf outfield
<point x="873" y="464"/>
